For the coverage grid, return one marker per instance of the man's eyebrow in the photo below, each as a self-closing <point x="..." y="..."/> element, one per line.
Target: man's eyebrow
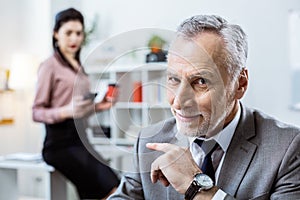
<point x="171" y="73"/>
<point x="200" y="74"/>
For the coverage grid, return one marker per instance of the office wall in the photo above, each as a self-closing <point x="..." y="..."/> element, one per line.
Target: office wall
<point x="24" y="29"/>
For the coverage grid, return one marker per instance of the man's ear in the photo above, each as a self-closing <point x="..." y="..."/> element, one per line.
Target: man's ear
<point x="242" y="84"/>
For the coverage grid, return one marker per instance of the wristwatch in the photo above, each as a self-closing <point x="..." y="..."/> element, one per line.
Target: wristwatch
<point x="200" y="182"/>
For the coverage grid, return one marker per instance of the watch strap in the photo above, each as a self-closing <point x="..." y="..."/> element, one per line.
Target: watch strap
<point x="192" y="191"/>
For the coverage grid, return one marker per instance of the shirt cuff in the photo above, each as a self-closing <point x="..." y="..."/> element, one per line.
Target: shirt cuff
<point x="220" y="195"/>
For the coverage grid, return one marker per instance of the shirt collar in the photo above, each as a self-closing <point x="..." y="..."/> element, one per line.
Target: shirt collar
<point x="223" y="138"/>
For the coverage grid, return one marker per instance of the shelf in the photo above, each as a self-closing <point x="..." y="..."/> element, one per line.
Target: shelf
<point x="127" y="117"/>
<point x="6" y="107"/>
<point x="159" y="106"/>
<point x="109" y="142"/>
<point x="159" y="66"/>
<point x="123" y="142"/>
<point x="130" y="105"/>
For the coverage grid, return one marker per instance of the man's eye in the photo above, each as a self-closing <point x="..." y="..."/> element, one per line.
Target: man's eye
<point x="201" y="82"/>
<point x="173" y="80"/>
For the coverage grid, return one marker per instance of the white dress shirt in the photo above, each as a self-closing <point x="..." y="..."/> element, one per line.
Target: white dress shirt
<point x="223" y="138"/>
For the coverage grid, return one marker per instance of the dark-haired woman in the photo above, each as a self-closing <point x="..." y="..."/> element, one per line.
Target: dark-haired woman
<point x="60" y="104"/>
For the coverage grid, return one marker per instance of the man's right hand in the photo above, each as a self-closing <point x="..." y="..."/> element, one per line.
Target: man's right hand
<point x="176" y="166"/>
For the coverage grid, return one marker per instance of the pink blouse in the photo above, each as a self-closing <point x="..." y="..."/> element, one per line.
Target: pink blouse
<point x="57" y="84"/>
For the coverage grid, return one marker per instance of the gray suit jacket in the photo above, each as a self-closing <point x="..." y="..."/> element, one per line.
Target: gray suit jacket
<point x="262" y="161"/>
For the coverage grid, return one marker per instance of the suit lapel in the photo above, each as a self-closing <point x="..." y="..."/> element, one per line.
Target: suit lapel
<point x="239" y="154"/>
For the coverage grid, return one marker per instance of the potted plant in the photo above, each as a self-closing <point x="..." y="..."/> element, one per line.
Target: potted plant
<point x="157" y="54"/>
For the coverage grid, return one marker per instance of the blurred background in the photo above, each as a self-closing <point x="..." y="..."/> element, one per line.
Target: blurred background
<point x="272" y="26"/>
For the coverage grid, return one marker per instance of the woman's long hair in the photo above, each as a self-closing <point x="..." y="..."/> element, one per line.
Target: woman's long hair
<point x="62" y="17"/>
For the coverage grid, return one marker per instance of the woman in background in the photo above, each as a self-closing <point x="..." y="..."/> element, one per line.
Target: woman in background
<point x="60" y="104"/>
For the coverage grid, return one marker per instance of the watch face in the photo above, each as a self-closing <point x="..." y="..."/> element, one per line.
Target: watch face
<point x="204" y="181"/>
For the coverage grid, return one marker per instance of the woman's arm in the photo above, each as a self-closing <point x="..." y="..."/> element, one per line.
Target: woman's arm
<point x="41" y="109"/>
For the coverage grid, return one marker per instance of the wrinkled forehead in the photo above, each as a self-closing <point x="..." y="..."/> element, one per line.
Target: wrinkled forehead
<point x="198" y="52"/>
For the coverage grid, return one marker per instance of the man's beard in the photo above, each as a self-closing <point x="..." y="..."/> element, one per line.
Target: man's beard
<point x="192" y="129"/>
<point x="207" y="125"/>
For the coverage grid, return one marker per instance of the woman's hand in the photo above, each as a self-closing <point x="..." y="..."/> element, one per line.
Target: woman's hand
<point x="77" y="108"/>
<point x="106" y="103"/>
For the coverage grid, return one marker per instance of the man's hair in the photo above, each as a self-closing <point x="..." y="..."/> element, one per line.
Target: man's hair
<point x="236" y="47"/>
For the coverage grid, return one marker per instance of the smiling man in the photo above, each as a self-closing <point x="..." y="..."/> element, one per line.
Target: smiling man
<point x="234" y="152"/>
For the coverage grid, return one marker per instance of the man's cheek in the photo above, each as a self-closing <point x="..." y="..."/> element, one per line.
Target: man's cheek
<point x="170" y="96"/>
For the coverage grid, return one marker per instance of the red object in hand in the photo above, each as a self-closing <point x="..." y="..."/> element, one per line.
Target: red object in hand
<point x="112" y="91"/>
<point x="137" y="92"/>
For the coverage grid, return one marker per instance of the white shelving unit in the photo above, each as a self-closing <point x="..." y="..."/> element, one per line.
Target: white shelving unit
<point x="53" y="182"/>
<point x="127" y="117"/>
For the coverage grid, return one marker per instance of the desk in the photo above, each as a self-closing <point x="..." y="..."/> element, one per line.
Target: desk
<point x="55" y="183"/>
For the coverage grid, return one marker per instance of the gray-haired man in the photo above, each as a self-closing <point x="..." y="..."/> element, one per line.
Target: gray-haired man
<point x="256" y="156"/>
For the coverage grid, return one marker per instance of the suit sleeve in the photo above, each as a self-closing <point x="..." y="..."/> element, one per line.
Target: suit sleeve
<point x="287" y="185"/>
<point x="130" y="187"/>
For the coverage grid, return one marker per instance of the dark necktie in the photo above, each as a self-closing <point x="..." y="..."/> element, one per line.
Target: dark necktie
<point x="207" y="165"/>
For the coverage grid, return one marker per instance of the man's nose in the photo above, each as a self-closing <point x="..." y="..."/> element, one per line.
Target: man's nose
<point x="184" y="96"/>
